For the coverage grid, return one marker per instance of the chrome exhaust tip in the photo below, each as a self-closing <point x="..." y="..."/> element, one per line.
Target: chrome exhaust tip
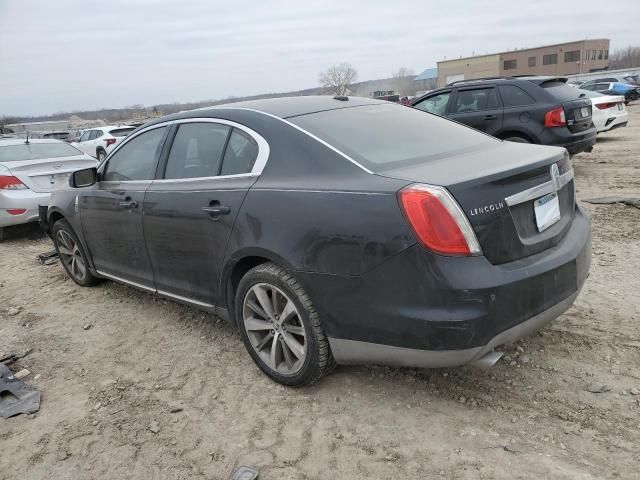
<point x="488" y="360"/>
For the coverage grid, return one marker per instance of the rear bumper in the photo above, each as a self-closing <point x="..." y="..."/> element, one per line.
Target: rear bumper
<point x="425" y="310"/>
<point x="27" y="200"/>
<point x="573" y="142"/>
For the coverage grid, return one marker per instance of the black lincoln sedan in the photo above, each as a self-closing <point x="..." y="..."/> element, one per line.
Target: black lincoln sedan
<point x="334" y="230"/>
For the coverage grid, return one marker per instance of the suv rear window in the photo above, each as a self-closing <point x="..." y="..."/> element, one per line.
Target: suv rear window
<point x="121" y="132"/>
<point x="387" y="136"/>
<point x="561" y="91"/>
<point x="36" y="151"/>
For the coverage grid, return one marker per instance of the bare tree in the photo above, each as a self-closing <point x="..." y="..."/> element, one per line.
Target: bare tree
<point x="628" y="57"/>
<point x="339" y="78"/>
<point x="402" y="72"/>
<point x="403" y="81"/>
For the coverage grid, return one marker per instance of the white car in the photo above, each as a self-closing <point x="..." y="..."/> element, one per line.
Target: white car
<point x="608" y="111"/>
<point x="99" y="141"/>
<point x="29" y="171"/>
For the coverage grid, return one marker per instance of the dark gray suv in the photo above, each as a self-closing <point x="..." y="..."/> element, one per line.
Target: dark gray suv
<point x="542" y="110"/>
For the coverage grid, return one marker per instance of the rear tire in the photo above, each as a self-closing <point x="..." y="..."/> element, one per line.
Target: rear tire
<point x="516" y="139"/>
<point x="101" y="155"/>
<point x="72" y="255"/>
<point x="280" y="328"/>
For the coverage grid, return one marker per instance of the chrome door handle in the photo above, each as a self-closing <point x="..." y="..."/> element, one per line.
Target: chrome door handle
<point x="129" y="204"/>
<point x="217" y="210"/>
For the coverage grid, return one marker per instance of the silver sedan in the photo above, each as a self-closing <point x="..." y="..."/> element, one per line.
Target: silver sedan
<point x="29" y="171"/>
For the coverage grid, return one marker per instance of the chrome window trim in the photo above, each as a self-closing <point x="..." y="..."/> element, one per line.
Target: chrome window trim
<point x="540" y="190"/>
<point x="318" y="139"/>
<point x="198" y="179"/>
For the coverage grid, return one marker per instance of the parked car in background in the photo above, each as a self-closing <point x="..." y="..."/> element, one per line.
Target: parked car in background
<point x="29" y="171"/>
<point x="61" y="135"/>
<point x="628" y="91"/>
<point x="627" y="79"/>
<point x="541" y="110"/>
<point x="99" y="141"/>
<point x="609" y="111"/>
<point x="325" y="238"/>
<point x="74" y="135"/>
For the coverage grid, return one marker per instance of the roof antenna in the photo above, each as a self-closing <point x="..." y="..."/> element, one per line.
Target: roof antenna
<point x="27" y="140"/>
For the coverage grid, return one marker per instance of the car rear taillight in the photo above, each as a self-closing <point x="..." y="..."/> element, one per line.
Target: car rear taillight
<point x="11" y="183"/>
<point x="110" y="141"/>
<point x="16" y="211"/>
<point x="555" y="118"/>
<point x="437" y="221"/>
<point x="604" y="106"/>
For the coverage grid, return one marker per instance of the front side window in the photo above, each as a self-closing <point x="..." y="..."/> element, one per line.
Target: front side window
<point x="241" y="154"/>
<point x="550" y="59"/>
<point x="513" y="96"/>
<point x="436" y="104"/>
<point x="135" y="159"/>
<point x="476" y="100"/>
<point x="196" y="150"/>
<point x="510" y="64"/>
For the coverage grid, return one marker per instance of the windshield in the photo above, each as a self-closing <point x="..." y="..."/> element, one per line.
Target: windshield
<point x="381" y="137"/>
<point x="36" y="151"/>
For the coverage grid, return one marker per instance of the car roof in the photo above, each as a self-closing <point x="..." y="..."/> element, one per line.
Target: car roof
<point x="285" y="107"/>
<point x="21" y="141"/>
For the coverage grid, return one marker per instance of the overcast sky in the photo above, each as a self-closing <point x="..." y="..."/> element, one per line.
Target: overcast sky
<point x="68" y="55"/>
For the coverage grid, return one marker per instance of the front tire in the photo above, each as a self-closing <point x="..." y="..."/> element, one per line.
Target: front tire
<point x="280" y="328"/>
<point x="71" y="254"/>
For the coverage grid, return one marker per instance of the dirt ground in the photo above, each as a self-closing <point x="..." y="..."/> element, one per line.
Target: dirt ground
<point x="138" y="387"/>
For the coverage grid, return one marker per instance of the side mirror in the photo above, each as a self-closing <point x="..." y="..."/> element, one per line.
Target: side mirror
<point x="83" y="178"/>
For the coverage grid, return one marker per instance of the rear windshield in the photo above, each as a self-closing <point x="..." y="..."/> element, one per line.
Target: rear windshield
<point x="381" y="137"/>
<point x="121" y="132"/>
<point x="561" y="91"/>
<point x="36" y="151"/>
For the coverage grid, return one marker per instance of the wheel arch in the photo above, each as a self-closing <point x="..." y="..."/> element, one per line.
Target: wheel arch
<point x="516" y="133"/>
<point x="237" y="267"/>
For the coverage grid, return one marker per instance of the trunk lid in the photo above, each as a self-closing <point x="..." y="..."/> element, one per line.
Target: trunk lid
<point x="578" y="114"/>
<point x="496" y="187"/>
<point x="45" y="175"/>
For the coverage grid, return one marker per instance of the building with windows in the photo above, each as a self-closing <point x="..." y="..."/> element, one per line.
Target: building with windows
<point x="560" y="59"/>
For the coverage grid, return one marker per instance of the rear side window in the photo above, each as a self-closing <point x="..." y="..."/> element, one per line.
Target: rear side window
<point x="241" y="154"/>
<point x="513" y="96"/>
<point x="436" y="104"/>
<point x="196" y="150"/>
<point x="561" y="91"/>
<point x="121" y="132"/>
<point x="36" y="151"/>
<point x="95" y="134"/>
<point x="475" y="100"/>
<point x="136" y="159"/>
<point x="381" y="137"/>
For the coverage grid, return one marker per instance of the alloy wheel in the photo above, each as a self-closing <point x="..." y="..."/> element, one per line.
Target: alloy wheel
<point x="71" y="256"/>
<point x="274" y="327"/>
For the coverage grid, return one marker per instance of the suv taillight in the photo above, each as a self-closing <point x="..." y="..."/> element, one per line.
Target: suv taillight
<point x="437" y="221"/>
<point x="555" y="118"/>
<point x="11" y="183"/>
<point x="110" y="141"/>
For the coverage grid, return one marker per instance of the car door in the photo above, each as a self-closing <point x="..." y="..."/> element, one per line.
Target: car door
<point x="519" y="108"/>
<point x="111" y="210"/>
<point x="478" y="107"/>
<point x="83" y="141"/>
<point x="436" y="103"/>
<point x="189" y="212"/>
